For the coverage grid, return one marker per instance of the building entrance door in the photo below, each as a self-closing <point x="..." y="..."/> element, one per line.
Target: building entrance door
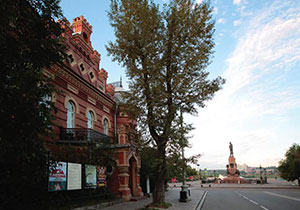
<point x="132" y="176"/>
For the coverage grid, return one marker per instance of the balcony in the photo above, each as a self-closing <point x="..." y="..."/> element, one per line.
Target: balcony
<point x="83" y="136"/>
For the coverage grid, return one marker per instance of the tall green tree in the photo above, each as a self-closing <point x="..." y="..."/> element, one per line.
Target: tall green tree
<point x="165" y="52"/>
<point x="289" y="167"/>
<point x="29" y="42"/>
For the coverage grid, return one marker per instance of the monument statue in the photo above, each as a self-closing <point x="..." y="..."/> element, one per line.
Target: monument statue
<point x="231" y="149"/>
<point x="233" y="174"/>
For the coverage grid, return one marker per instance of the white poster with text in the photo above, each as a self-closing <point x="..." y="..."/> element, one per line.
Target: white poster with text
<point x="74" y="176"/>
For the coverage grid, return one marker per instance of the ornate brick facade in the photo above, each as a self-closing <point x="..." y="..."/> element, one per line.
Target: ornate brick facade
<point x="85" y="103"/>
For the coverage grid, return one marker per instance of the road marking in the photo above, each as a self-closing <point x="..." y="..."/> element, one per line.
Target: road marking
<point x="245" y="197"/>
<point x="282" y="196"/>
<point x="252" y="201"/>
<point x="263" y="207"/>
<point x="200" y="204"/>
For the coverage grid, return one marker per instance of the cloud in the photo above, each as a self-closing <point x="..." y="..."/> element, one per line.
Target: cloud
<point x="198" y="1"/>
<point x="242" y="9"/>
<point x="261" y="95"/>
<point x="236" y="2"/>
<point x="237" y="22"/>
<point x="221" y="20"/>
<point x="215" y="10"/>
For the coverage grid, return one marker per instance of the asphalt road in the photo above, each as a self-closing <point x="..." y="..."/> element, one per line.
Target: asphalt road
<point x="252" y="199"/>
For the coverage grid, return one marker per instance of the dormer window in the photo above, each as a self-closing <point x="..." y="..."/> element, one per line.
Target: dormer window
<point x="70" y="57"/>
<point x="81" y="66"/>
<point x="91" y="75"/>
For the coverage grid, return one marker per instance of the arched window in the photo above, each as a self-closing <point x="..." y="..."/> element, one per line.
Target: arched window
<point x="105" y="126"/>
<point x="90" y="123"/>
<point x="70" y="114"/>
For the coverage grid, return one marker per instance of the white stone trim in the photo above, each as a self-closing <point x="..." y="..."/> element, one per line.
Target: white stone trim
<point x="94" y="113"/>
<point x="106" y="117"/>
<point x="70" y="98"/>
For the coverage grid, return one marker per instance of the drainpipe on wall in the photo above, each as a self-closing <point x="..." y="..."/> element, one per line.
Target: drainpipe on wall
<point x="115" y="124"/>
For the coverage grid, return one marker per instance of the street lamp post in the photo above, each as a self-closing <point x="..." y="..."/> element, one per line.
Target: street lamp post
<point x="215" y="177"/>
<point x="260" y="172"/>
<point x="184" y="187"/>
<point x="265" y="173"/>
<point x="200" y="178"/>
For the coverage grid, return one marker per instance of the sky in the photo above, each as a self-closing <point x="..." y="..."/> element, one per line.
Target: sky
<point x="257" y="51"/>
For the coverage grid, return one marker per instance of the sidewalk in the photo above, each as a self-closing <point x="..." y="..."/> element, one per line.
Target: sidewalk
<point x="172" y="196"/>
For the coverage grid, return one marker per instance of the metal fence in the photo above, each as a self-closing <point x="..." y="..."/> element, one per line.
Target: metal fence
<point x="79" y="135"/>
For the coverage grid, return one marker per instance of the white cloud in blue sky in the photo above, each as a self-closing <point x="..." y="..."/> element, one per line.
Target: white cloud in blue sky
<point x="258" y="52"/>
<point x="259" y="105"/>
<point x="221" y="20"/>
<point x="237" y="22"/>
<point x="237" y="1"/>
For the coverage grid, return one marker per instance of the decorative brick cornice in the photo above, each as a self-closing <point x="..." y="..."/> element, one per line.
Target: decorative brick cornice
<point x="81" y="84"/>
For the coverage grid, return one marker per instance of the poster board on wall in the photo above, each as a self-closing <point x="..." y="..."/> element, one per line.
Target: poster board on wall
<point x="101" y="176"/>
<point x="57" y="177"/>
<point x="74" y="176"/>
<point x="90" y="176"/>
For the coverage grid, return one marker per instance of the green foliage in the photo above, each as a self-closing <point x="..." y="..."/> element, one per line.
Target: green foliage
<point x="165" y="53"/>
<point x="289" y="167"/>
<point x="148" y="162"/>
<point x="92" y="154"/>
<point x="191" y="171"/>
<point x="161" y="205"/>
<point x="174" y="165"/>
<point x="29" y="42"/>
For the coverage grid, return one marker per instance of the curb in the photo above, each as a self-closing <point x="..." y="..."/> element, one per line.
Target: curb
<point x="99" y="206"/>
<point x="201" y="202"/>
<point x="252" y="187"/>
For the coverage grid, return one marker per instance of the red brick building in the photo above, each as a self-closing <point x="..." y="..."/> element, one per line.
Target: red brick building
<point x="87" y="109"/>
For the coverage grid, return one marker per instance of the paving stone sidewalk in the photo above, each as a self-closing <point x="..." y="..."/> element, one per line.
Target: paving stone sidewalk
<point x="172" y="196"/>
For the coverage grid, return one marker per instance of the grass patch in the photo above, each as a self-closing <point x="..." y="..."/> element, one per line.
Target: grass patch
<point x="156" y="206"/>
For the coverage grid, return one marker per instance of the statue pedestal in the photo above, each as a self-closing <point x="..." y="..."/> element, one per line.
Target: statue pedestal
<point x="232" y="167"/>
<point x="234" y="180"/>
<point x="232" y="173"/>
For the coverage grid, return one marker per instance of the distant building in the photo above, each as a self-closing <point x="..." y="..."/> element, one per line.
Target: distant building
<point x="250" y="170"/>
<point x="242" y="167"/>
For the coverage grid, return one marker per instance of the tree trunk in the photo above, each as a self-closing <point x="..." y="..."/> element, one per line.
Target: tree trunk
<point x="159" y="191"/>
<point x="159" y="185"/>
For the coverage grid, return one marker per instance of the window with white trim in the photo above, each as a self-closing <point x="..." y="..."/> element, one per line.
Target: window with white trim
<point x="105" y="126"/>
<point x="90" y="122"/>
<point x="70" y="114"/>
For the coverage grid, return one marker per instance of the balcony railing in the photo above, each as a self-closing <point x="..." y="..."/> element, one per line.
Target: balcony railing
<point x="80" y="135"/>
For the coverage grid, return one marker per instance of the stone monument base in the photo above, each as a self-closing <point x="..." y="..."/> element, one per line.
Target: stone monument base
<point x="234" y="180"/>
